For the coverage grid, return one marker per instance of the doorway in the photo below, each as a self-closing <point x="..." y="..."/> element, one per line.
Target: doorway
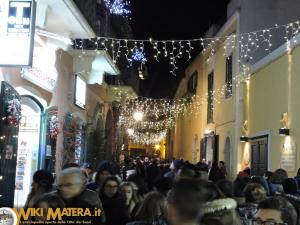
<point x="259" y="155"/>
<point x="28" y="148"/>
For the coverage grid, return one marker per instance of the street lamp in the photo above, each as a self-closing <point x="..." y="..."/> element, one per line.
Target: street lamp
<point x="138" y="116"/>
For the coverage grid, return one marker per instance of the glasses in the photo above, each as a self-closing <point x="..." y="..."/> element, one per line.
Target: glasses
<point x="267" y="222"/>
<point x="67" y="185"/>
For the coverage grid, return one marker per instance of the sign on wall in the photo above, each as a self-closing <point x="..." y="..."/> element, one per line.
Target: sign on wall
<point x="16" y="32"/>
<point x="288" y="156"/>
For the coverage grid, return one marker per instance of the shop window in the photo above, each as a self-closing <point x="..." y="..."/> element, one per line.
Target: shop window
<point x="80" y="92"/>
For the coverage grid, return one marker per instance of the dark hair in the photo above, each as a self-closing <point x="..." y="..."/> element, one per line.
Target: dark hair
<point x="188" y="171"/>
<point x="44" y="179"/>
<point x="268" y="174"/>
<point x="139" y="181"/>
<point x="226" y="187"/>
<point x="53" y="201"/>
<point x="287" y="210"/>
<point x="105" y="165"/>
<point x="109" y="178"/>
<point x="254" y="193"/>
<point x="279" y="176"/>
<point x="163" y="185"/>
<point x="222" y="162"/>
<point x="152" y="208"/>
<point x="298" y="172"/>
<point x="187" y="197"/>
<point x="290" y="186"/>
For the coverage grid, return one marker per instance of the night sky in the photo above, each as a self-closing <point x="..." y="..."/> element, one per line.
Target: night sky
<point x="171" y="19"/>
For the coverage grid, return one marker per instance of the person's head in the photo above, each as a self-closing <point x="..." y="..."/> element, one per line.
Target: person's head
<point x="298" y="172"/>
<point x="139" y="182"/>
<point x="71" y="182"/>
<point x="129" y="191"/>
<point x="221" y="164"/>
<point x="290" y="186"/>
<point x="226" y="187"/>
<point x="185" y="200"/>
<point x="42" y="180"/>
<point x="188" y="171"/>
<point x="153" y="207"/>
<point x="278" y="210"/>
<point x="247" y="170"/>
<point x="163" y="185"/>
<point x="110" y="186"/>
<point x="48" y="201"/>
<point x="279" y="176"/>
<point x="262" y="181"/>
<point x="268" y="175"/>
<point x="105" y="169"/>
<point x="254" y="193"/>
<point x="87" y="167"/>
<point x="176" y="164"/>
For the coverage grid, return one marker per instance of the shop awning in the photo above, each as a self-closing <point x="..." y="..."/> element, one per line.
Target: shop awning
<point x="93" y="65"/>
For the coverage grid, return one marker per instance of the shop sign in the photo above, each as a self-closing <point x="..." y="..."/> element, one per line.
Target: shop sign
<point x="43" y="72"/>
<point x="16" y="32"/>
<point x="288" y="156"/>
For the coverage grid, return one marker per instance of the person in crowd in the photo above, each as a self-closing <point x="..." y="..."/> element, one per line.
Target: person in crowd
<point x="261" y="180"/>
<point x="42" y="183"/>
<point x="298" y="177"/>
<point x="277" y="211"/>
<point x="139" y="182"/>
<point x="72" y="190"/>
<point x="153" y="210"/>
<point x="152" y="173"/>
<point x="239" y="184"/>
<point x="277" y="179"/>
<point x="163" y="185"/>
<point x="139" y="167"/>
<point x="254" y="193"/>
<point x="217" y="209"/>
<point x="188" y="171"/>
<point x="129" y="191"/>
<point x="105" y="169"/>
<point x="223" y="168"/>
<point x="202" y="165"/>
<point x="290" y="186"/>
<point x="226" y="187"/>
<point x="215" y="173"/>
<point x="88" y="169"/>
<point x="185" y="201"/>
<point x="175" y="166"/>
<point x="114" y="204"/>
<point x="47" y="201"/>
<point x="272" y="188"/>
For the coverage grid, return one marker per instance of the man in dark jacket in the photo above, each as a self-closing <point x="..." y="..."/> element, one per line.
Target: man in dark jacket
<point x="72" y="190"/>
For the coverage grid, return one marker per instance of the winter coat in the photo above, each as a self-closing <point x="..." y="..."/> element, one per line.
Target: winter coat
<point x="295" y="201"/>
<point x="247" y="212"/>
<point x="86" y="199"/>
<point x="115" y="209"/>
<point x="220" y="212"/>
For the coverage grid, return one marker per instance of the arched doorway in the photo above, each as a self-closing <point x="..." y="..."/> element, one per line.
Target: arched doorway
<point x="227" y="155"/>
<point x="29" y="152"/>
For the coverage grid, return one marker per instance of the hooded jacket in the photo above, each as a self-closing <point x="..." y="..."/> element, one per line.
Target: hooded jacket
<point x="220" y="212"/>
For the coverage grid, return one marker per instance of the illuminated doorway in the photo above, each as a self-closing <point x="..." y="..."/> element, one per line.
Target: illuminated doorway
<point x="28" y="148"/>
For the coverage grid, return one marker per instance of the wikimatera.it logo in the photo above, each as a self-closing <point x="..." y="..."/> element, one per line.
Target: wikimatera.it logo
<point x="13" y="216"/>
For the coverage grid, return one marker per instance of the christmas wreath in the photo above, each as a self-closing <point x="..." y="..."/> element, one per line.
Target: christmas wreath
<point x="14" y="114"/>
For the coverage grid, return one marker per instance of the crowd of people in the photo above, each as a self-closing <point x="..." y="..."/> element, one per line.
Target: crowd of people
<point x="152" y="192"/>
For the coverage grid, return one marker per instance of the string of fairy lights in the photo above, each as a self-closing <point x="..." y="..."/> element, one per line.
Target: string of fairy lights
<point x="146" y="120"/>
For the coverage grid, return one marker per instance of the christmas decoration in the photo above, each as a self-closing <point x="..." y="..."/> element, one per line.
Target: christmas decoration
<point x="137" y="56"/>
<point x="117" y="7"/>
<point x="54" y="126"/>
<point x="14" y="114"/>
